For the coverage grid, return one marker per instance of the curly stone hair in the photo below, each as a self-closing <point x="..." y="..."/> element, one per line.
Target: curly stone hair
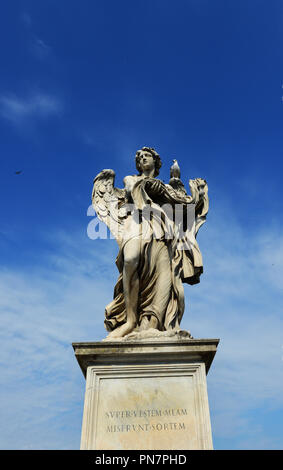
<point x="155" y="155"/>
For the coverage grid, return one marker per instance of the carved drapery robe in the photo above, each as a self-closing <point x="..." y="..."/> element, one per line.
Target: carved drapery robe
<point x="168" y="257"/>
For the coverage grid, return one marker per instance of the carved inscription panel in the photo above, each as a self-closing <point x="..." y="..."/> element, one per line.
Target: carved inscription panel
<point x="146" y="413"/>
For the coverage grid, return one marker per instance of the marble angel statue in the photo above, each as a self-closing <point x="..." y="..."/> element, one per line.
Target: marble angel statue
<point x="157" y="253"/>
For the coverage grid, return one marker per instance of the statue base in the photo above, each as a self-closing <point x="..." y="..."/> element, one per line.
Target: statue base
<point x="146" y="395"/>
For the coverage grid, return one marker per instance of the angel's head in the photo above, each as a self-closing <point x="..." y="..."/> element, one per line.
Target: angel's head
<point x="147" y="156"/>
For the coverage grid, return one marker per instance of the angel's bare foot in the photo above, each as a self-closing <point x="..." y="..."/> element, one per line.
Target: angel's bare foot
<point x="122" y="330"/>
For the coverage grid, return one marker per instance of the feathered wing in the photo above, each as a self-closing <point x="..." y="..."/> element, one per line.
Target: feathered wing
<point x="107" y="202"/>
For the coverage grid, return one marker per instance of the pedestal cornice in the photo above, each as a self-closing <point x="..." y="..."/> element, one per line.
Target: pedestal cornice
<point x="145" y="352"/>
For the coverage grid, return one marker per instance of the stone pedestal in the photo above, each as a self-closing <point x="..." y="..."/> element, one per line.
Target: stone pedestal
<point x="146" y="395"/>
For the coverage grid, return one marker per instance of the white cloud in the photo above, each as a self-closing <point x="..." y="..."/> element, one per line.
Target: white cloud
<point x="46" y="308"/>
<point x="39" y="48"/>
<point x="239" y="300"/>
<point x="26" y="19"/>
<point x="37" y="105"/>
<point x="43" y="310"/>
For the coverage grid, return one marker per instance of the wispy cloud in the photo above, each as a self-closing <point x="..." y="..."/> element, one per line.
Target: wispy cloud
<point x="39" y="48"/>
<point x="26" y="19"/>
<point x="18" y="109"/>
<point x="239" y="300"/>
<point x="43" y="311"/>
<point x="63" y="298"/>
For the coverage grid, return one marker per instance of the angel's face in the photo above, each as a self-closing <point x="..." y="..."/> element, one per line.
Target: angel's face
<point x="147" y="162"/>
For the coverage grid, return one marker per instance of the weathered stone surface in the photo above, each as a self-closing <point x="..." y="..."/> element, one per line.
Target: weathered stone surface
<point x="146" y="395"/>
<point x="155" y="225"/>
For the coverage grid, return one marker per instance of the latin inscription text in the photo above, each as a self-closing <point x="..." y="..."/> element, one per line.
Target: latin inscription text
<point x="145" y="426"/>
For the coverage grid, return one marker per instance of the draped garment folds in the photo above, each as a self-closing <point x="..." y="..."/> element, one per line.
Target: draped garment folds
<point x="169" y="256"/>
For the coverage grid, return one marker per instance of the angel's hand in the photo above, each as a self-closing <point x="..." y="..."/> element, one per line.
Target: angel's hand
<point x="156" y="187"/>
<point x="200" y="182"/>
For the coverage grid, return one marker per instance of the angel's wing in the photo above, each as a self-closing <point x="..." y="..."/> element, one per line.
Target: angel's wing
<point x="108" y="201"/>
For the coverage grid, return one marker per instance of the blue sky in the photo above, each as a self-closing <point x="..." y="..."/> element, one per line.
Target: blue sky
<point x="83" y="85"/>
